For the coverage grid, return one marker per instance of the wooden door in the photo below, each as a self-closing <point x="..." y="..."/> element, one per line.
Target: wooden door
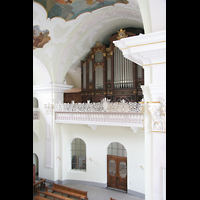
<point x="117" y="172"/>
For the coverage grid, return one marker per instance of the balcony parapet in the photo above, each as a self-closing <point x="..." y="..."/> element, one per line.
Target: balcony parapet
<point x="100" y="113"/>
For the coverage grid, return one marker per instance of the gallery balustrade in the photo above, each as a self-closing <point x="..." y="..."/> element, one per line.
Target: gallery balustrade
<point x="102" y="113"/>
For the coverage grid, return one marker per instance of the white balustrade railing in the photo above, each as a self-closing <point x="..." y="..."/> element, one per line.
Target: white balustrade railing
<point x="104" y="112"/>
<point x="122" y="118"/>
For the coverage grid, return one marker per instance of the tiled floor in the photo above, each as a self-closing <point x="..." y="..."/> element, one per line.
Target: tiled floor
<point x="96" y="193"/>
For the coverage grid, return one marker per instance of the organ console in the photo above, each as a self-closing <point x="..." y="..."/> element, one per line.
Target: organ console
<point x="106" y="73"/>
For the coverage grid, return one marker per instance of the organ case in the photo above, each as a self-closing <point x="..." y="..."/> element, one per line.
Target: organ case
<point x="106" y="73"/>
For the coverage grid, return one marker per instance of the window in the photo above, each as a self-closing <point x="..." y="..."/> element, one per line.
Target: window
<point x="78" y="154"/>
<point x="117" y="149"/>
<point x="35" y="102"/>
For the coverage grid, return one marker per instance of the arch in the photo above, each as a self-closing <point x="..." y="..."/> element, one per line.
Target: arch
<point x="117" y="166"/>
<point x="78" y="154"/>
<point x="35" y="102"/>
<point x="40" y="72"/>
<point x="116" y="149"/>
<point x="85" y="36"/>
<point x="36" y="162"/>
<point x="35" y="138"/>
<point x="98" y="56"/>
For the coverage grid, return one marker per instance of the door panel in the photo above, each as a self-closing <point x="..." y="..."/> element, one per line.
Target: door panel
<point x="117" y="172"/>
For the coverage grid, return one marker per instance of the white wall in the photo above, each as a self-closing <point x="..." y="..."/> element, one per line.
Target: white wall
<point x="39" y="128"/>
<point x="96" y="148"/>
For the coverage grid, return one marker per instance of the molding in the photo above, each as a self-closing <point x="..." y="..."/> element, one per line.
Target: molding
<point x="159" y="131"/>
<point x="95" y="123"/>
<point x="154" y="64"/>
<point x="70" y="181"/>
<point x="141" y="40"/>
<point x="52" y="87"/>
<point x="143" y="44"/>
<point x="145" y="49"/>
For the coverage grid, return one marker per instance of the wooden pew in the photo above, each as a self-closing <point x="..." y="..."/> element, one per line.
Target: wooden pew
<point x="112" y="199"/>
<point x="70" y="191"/>
<point x="39" y="185"/>
<point x="64" y="192"/>
<point x="53" y="195"/>
<point x="40" y="198"/>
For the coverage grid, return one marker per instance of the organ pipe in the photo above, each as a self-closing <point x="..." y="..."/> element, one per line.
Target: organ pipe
<point x="98" y="78"/>
<point x="123" y="71"/>
<point x="84" y="76"/>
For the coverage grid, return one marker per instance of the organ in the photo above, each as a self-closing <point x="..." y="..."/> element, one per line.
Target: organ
<point x="106" y="73"/>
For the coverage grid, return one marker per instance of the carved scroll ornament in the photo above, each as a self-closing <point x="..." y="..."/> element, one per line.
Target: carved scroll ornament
<point x="158" y="114"/>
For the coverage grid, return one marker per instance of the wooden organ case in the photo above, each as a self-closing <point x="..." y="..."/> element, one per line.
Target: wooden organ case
<point x="106" y="73"/>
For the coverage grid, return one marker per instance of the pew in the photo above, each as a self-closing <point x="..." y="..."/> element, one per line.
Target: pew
<point x="70" y="191"/>
<point x="112" y="199"/>
<point x="39" y="185"/>
<point x="40" y="198"/>
<point x="63" y="192"/>
<point x="55" y="196"/>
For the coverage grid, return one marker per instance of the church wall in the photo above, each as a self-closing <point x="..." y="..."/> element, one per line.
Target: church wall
<point x="39" y="128"/>
<point x="97" y="142"/>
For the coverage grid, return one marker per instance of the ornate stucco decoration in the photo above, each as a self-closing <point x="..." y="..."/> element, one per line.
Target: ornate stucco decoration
<point x="158" y="115"/>
<point x="121" y="34"/>
<point x="49" y="108"/>
<point x="104" y="106"/>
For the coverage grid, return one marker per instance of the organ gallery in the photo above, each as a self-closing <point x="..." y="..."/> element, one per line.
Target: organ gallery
<point x="106" y="73"/>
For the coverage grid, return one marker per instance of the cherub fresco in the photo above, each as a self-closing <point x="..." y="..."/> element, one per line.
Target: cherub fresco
<point x="40" y="38"/>
<point x="71" y="9"/>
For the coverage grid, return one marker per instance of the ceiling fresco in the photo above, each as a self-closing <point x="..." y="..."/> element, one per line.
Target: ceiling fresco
<point x="40" y="37"/>
<point x="70" y="9"/>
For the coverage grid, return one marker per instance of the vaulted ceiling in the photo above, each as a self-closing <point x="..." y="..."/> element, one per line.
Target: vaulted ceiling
<point x="72" y="38"/>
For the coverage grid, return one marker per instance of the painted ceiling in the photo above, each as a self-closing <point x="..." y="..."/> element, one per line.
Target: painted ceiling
<point x="71" y="9"/>
<point x="71" y="40"/>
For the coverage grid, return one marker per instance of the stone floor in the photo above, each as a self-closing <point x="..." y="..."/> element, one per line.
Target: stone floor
<point x="97" y="193"/>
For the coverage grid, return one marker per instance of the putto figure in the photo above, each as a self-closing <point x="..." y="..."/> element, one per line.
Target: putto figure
<point x="40" y="38"/>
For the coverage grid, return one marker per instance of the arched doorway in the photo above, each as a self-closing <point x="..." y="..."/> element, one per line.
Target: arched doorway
<point x="36" y="163"/>
<point x="117" y="166"/>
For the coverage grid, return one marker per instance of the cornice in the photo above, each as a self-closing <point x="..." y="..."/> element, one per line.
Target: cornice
<point x="145" y="49"/>
<point x="52" y="87"/>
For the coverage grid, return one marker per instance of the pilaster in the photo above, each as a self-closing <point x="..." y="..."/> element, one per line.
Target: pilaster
<point x="149" y="51"/>
<point x="49" y="95"/>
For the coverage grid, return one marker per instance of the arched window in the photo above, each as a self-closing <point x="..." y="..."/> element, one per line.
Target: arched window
<point x="116" y="149"/>
<point x="78" y="154"/>
<point x="35" y="103"/>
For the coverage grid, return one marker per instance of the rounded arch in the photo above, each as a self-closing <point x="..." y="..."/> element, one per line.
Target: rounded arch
<point x="93" y="30"/>
<point x="35" y="138"/>
<point x="116" y="149"/>
<point x="35" y="102"/>
<point x="40" y="72"/>
<point x="78" y="154"/>
<point x="36" y="163"/>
